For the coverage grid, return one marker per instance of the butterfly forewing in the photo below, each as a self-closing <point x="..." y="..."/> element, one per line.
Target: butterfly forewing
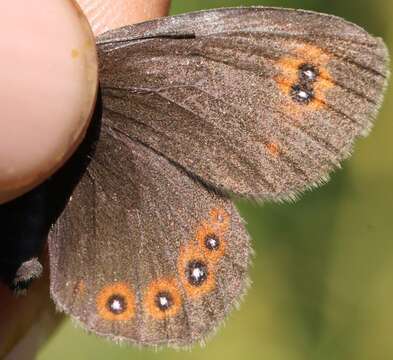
<point x="259" y="102"/>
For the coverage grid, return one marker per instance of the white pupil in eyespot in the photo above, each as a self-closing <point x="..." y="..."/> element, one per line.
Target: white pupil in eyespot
<point x="116" y="305"/>
<point x="309" y="74"/>
<point x="197" y="273"/>
<point x="163" y="301"/>
<point x="302" y="94"/>
<point x="212" y="242"/>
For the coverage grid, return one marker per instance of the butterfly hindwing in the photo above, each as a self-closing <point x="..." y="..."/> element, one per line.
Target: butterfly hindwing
<point x="259" y="102"/>
<point x="142" y="252"/>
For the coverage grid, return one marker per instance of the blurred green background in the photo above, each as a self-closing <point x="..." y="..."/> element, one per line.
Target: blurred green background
<point x="323" y="271"/>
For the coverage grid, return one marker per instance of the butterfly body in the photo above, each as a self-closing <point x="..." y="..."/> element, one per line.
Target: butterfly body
<point x="196" y="109"/>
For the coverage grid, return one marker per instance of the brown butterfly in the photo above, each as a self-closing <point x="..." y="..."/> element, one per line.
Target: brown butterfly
<point x="195" y="109"/>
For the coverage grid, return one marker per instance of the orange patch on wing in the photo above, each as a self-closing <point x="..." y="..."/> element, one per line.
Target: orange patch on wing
<point x="79" y="288"/>
<point x="208" y="231"/>
<point x="273" y="149"/>
<point x="220" y="218"/>
<point x="190" y="254"/>
<point x="123" y="292"/>
<point x="289" y="76"/>
<point x="162" y="286"/>
<point x="313" y="53"/>
<point x="289" y="72"/>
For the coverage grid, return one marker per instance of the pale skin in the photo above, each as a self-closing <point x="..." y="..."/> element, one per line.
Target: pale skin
<point x="45" y="113"/>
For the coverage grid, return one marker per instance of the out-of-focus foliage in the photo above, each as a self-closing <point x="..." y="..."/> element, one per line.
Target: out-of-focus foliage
<point x="323" y="271"/>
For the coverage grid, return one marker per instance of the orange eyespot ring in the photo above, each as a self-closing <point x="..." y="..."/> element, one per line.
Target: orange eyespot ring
<point x="220" y="218"/>
<point x="116" y="302"/>
<point x="162" y="299"/>
<point x="211" y="241"/>
<point x="195" y="271"/>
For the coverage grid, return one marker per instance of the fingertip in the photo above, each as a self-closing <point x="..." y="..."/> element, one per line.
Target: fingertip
<point x="49" y="66"/>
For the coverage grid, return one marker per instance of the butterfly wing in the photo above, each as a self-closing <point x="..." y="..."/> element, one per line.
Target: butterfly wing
<point x="142" y="252"/>
<point x="260" y="102"/>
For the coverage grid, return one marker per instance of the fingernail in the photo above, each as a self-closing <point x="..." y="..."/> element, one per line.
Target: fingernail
<point x="48" y="72"/>
<point x="105" y="15"/>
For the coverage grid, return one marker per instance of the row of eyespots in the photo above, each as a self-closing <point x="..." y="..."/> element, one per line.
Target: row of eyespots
<point x="162" y="297"/>
<point x="304" y="76"/>
<point x="304" y="79"/>
<point x="116" y="302"/>
<point x="302" y="90"/>
<point x="196" y="263"/>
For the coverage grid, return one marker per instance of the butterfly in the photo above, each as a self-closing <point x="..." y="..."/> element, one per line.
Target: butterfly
<point x="194" y="111"/>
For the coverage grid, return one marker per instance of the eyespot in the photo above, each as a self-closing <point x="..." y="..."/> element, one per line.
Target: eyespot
<point x="220" y="218"/>
<point x="301" y="94"/>
<point x="211" y="241"/>
<point x="308" y="73"/>
<point x="116" y="302"/>
<point x="195" y="271"/>
<point x="162" y="299"/>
